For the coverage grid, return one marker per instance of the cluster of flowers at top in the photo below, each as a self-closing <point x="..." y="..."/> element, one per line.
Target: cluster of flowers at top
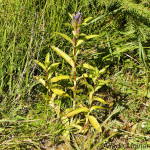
<point x="77" y="18"/>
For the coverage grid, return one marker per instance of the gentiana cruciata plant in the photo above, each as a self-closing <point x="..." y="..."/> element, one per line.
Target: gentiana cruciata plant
<point x="72" y="116"/>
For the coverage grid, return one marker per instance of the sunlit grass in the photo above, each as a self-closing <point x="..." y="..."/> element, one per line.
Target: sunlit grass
<point x="27" y="29"/>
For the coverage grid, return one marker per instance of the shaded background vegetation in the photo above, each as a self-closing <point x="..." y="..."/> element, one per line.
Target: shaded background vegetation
<point x="27" y="29"/>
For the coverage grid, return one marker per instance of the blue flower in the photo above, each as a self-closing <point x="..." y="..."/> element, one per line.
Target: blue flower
<point x="77" y="17"/>
<point x="78" y="13"/>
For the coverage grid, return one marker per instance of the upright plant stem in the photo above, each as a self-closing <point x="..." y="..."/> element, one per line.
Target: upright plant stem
<point x="74" y="69"/>
<point x="48" y="91"/>
<point x="48" y="83"/>
<point x="75" y="22"/>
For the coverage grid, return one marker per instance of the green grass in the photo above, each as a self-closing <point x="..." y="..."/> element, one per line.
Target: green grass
<point x="27" y="29"/>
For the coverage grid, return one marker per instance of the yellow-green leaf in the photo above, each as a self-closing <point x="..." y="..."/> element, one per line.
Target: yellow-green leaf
<point x="71" y="16"/>
<point x="87" y="19"/>
<point x="79" y="42"/>
<point x="91" y="96"/>
<point x="64" y="55"/>
<point x="103" y="70"/>
<point x="77" y="111"/>
<point x="100" y="83"/>
<point x="40" y="64"/>
<point x="82" y="34"/>
<point x="53" y="97"/>
<point x="91" y="36"/>
<point x="47" y="59"/>
<point x="94" y="122"/>
<point x="53" y="65"/>
<point x="96" y="107"/>
<point x="68" y="110"/>
<point x="86" y="65"/>
<point x="41" y="80"/>
<point x="51" y="69"/>
<point x="99" y="99"/>
<point x="66" y="37"/>
<point x="74" y="33"/>
<point x="83" y="24"/>
<point x="50" y="75"/>
<point x="76" y="126"/>
<point x="62" y="77"/>
<point x="133" y="129"/>
<point x="103" y="82"/>
<point x="2" y="129"/>
<point x="60" y="92"/>
<point x="98" y="87"/>
<point x="90" y="87"/>
<point x="85" y="75"/>
<point x="68" y="24"/>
